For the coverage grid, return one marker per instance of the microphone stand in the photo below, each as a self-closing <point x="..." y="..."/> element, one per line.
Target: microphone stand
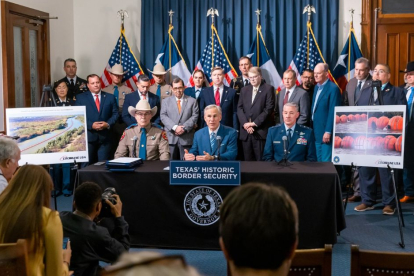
<point x="284" y="162"/>
<point x="134" y="146"/>
<point x="398" y="204"/>
<point x="218" y="139"/>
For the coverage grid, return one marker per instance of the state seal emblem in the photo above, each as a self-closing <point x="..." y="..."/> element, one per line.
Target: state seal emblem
<point x="201" y="205"/>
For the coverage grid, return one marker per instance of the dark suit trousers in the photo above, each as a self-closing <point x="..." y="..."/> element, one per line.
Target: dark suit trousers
<point x="368" y="186"/>
<point x="99" y="151"/>
<point x="177" y="151"/>
<point x="253" y="148"/>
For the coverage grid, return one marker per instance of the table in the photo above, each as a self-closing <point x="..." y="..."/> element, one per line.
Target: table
<point x="156" y="216"/>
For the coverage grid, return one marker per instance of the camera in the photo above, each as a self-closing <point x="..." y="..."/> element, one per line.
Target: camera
<point x="106" y="209"/>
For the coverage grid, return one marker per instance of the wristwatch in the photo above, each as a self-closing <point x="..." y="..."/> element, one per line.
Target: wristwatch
<point x="215" y="157"/>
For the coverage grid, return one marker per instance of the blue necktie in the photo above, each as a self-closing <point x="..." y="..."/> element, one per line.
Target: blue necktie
<point x="410" y="102"/>
<point x="289" y="131"/>
<point x="213" y="142"/>
<point x="159" y="91"/>
<point x="116" y="94"/>
<point x="143" y="144"/>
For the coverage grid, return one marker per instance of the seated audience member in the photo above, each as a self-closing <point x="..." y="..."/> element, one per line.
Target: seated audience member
<point x="91" y="242"/>
<point x="143" y="139"/>
<point x="206" y="145"/>
<point x="258" y="230"/>
<point x="25" y="214"/>
<point x="9" y="160"/>
<point x="150" y="263"/>
<point x="300" y="141"/>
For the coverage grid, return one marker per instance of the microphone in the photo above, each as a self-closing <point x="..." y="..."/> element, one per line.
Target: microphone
<point x="284" y="138"/>
<point x="218" y="138"/>
<point x="134" y="144"/>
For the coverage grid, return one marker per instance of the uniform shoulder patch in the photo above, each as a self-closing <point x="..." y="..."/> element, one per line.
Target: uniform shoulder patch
<point x="131" y="126"/>
<point x="123" y="136"/>
<point x="164" y="135"/>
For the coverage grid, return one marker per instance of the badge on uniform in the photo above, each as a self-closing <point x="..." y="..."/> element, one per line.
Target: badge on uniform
<point x="302" y="133"/>
<point x="302" y="141"/>
<point x="153" y="137"/>
<point x="276" y="142"/>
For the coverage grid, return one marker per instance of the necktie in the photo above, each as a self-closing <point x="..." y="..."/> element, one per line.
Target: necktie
<point x="375" y="94"/>
<point x="144" y="96"/>
<point x="197" y="93"/>
<point x="179" y="106"/>
<point x="159" y="91"/>
<point x="71" y="82"/>
<point x="143" y="144"/>
<point x="246" y="82"/>
<point x="286" y="99"/>
<point x="289" y="131"/>
<point x="217" y="97"/>
<point x="97" y="102"/>
<point x="254" y="94"/>
<point x="410" y="103"/>
<point x="116" y="94"/>
<point x="357" y="91"/>
<point x="213" y="142"/>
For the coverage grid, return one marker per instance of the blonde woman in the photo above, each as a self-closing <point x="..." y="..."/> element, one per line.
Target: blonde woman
<point x="25" y="214"/>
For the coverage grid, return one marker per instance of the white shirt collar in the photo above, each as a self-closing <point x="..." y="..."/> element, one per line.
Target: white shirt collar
<point x="74" y="79"/>
<point x="292" y="128"/>
<point x="210" y="131"/>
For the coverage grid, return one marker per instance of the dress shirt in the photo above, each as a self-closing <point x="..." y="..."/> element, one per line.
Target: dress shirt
<point x="74" y="79"/>
<point x="290" y="91"/>
<point x="244" y="80"/>
<point x="215" y="131"/>
<point x="197" y="91"/>
<point x="292" y="128"/>
<point x="318" y="93"/>
<point x="99" y="96"/>
<point x="141" y="95"/>
<point x="181" y="102"/>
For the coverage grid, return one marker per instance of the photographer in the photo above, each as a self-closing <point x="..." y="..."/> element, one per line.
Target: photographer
<point x="90" y="241"/>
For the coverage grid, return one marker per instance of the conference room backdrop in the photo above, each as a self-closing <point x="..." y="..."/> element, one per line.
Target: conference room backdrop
<point x="283" y="27"/>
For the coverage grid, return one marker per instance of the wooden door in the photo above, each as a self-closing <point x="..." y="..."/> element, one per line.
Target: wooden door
<point x="26" y="55"/>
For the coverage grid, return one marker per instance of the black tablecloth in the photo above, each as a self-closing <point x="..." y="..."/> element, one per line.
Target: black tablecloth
<point x="155" y="210"/>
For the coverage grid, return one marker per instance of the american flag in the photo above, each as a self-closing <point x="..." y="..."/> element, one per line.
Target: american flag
<point x="299" y="62"/>
<point x="128" y="60"/>
<point x="215" y="57"/>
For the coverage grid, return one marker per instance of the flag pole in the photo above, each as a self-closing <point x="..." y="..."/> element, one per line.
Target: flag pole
<point x="170" y="28"/>
<point x="258" y="28"/>
<point x="212" y="12"/>
<point x="349" y="43"/>
<point x="308" y="9"/>
<point x="122" y="14"/>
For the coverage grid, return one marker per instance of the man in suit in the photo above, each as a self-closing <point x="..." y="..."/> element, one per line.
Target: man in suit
<point x="143" y="84"/>
<point x="238" y="83"/>
<point x="325" y="98"/>
<point x="258" y="230"/>
<point x="361" y="80"/>
<point x="293" y="93"/>
<point x="76" y="85"/>
<point x="391" y="95"/>
<point x="408" y="172"/>
<point x="179" y="114"/>
<point x="223" y="96"/>
<point x="160" y="87"/>
<point x="300" y="140"/>
<point x="143" y="139"/>
<point x="101" y="115"/>
<point x="206" y="145"/>
<point x="195" y="91"/>
<point x="254" y="110"/>
<point x="308" y="82"/>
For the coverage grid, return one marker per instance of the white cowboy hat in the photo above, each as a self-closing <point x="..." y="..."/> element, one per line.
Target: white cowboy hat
<point x="142" y="105"/>
<point x="117" y="69"/>
<point x="158" y="70"/>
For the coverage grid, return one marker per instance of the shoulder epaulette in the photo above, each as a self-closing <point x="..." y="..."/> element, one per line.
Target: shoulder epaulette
<point x="131" y="126"/>
<point x="157" y="126"/>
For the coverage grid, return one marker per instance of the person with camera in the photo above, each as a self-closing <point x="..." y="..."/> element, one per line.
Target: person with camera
<point x="91" y="242"/>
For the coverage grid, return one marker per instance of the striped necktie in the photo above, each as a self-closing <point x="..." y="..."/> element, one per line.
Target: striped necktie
<point x="213" y="141"/>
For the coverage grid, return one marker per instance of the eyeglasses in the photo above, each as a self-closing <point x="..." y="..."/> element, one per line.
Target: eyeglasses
<point x="143" y="114"/>
<point x="254" y="77"/>
<point x="178" y="88"/>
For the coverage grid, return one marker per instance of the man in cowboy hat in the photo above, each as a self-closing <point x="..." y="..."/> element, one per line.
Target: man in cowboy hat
<point x="160" y="87"/>
<point x="143" y="140"/>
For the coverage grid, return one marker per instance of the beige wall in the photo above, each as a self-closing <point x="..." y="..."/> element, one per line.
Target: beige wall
<point x="345" y="21"/>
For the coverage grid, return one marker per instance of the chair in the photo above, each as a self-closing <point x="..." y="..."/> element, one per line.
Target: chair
<point x="13" y="259"/>
<point x="376" y="263"/>
<point x="312" y="262"/>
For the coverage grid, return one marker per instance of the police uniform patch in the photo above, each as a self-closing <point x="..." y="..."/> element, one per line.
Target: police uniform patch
<point x="164" y="135"/>
<point x="123" y="136"/>
<point x="202" y="205"/>
<point x="302" y="141"/>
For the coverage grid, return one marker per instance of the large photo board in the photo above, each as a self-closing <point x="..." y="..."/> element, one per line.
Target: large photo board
<point x="49" y="135"/>
<point x="369" y="136"/>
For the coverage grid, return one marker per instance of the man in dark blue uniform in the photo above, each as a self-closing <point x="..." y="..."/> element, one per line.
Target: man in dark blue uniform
<point x="300" y="140"/>
<point x="391" y="95"/>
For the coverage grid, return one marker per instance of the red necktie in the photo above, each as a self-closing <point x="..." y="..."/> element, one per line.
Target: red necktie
<point x="285" y="100"/>
<point x="97" y="102"/>
<point x="217" y="97"/>
<point x="144" y="96"/>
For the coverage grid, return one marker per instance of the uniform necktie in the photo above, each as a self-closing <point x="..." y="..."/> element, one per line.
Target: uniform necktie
<point x="143" y="144"/>
<point x="71" y="82"/>
<point x="357" y="91"/>
<point x="286" y="99"/>
<point x="97" y="102"/>
<point x="289" y="131"/>
<point x="179" y="106"/>
<point x="246" y="82"/>
<point x="159" y="91"/>
<point x="254" y="94"/>
<point x="116" y="94"/>
<point x="217" y="97"/>
<point x="410" y="103"/>
<point x="213" y="141"/>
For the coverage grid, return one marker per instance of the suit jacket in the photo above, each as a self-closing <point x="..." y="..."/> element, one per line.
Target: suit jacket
<point x="237" y="84"/>
<point x="348" y="96"/>
<point x="260" y="111"/>
<point x="190" y="91"/>
<point x="228" y="149"/>
<point x="391" y="95"/>
<point x="323" y="116"/>
<point x="108" y="112"/>
<point x="132" y="99"/>
<point x="74" y="91"/>
<point x="228" y="104"/>
<point x="187" y="118"/>
<point x="300" y="97"/>
<point x="300" y="148"/>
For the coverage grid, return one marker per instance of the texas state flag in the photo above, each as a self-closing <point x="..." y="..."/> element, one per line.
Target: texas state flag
<point x="345" y="67"/>
<point x="178" y="67"/>
<point x="262" y="59"/>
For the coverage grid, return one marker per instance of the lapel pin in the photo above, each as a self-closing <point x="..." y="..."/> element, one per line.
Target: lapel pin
<point x="153" y="137"/>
